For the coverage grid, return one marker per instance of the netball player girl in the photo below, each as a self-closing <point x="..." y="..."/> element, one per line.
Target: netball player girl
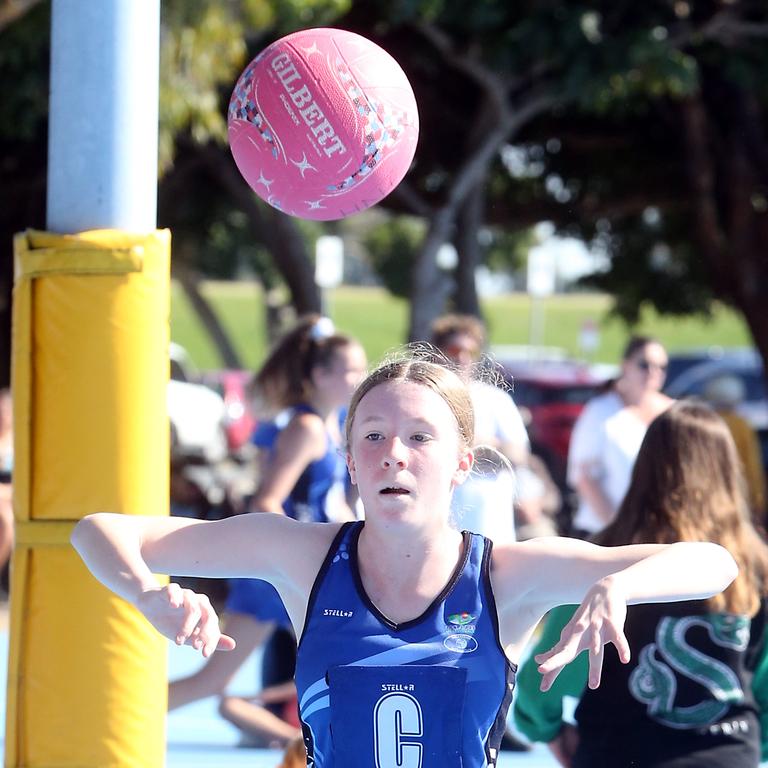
<point x="409" y="631"/>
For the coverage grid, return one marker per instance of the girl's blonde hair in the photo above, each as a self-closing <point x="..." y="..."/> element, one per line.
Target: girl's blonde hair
<point x="437" y="377"/>
<point x="687" y="485"/>
<point x="285" y="378"/>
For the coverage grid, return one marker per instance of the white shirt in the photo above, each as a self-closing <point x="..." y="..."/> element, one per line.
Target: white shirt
<point x="605" y="442"/>
<point x="496" y="416"/>
<point x="484" y="503"/>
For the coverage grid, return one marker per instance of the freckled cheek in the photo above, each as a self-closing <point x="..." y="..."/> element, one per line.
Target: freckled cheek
<point x="364" y="460"/>
<point x="367" y="474"/>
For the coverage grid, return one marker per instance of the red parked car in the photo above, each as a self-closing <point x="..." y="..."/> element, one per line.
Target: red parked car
<point x="550" y="395"/>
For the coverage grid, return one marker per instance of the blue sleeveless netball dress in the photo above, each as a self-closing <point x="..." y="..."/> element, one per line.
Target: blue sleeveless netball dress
<point x="432" y="692"/>
<point x="306" y="502"/>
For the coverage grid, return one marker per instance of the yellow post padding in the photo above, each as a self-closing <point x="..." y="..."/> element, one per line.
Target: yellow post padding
<point x="87" y="674"/>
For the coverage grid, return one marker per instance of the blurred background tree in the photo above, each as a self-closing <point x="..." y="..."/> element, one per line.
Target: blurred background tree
<point x="639" y="128"/>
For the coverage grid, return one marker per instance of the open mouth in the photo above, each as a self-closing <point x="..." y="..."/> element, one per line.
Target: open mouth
<point x="394" y="491"/>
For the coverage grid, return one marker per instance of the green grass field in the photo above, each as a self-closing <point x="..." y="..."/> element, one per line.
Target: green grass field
<point x="380" y="322"/>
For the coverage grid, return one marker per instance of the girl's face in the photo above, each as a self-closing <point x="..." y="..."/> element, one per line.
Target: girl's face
<point x="405" y="455"/>
<point x="337" y="382"/>
<point x="647" y="368"/>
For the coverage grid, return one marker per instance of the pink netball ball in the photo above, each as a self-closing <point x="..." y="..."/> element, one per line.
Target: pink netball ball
<point x="323" y="124"/>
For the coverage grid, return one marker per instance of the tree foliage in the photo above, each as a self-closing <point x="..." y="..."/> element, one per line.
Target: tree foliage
<point x="393" y="246"/>
<point x="219" y="225"/>
<point x="204" y="47"/>
<point x="639" y="127"/>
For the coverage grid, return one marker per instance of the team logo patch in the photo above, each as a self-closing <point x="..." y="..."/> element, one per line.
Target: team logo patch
<point x="460" y="643"/>
<point x="463" y="623"/>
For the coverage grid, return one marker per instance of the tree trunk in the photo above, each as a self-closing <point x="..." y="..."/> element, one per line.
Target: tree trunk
<point x="731" y="235"/>
<point x="288" y="248"/>
<point x="747" y="233"/>
<point x="430" y="287"/>
<point x="469" y="220"/>
<point x="428" y="290"/>
<point x="276" y="230"/>
<point x="6" y="297"/>
<point x="5" y="333"/>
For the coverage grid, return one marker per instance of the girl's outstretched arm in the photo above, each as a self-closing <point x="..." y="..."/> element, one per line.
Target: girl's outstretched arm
<point x="604" y="580"/>
<point x="682" y="571"/>
<point x="111" y="546"/>
<point x="124" y="551"/>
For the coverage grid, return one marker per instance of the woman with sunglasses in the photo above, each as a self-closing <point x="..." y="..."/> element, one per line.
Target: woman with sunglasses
<point x="607" y="435"/>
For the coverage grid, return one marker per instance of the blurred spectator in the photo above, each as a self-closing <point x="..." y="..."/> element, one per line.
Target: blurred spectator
<point x="6" y="495"/>
<point x="724" y="393"/>
<point x="295" y="755"/>
<point x="537" y="501"/>
<point x="489" y="490"/>
<point x="608" y="433"/>
<point x="6" y="434"/>
<point x="308" y="377"/>
<point x="260" y="725"/>
<point x="498" y="424"/>
<point x="695" y="692"/>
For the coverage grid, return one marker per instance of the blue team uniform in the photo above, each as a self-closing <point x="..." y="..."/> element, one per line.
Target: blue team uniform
<point x="306" y="502"/>
<point x="429" y="693"/>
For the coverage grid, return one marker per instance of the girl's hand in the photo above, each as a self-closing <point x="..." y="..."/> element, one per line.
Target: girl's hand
<point x="599" y="620"/>
<point x="185" y="617"/>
